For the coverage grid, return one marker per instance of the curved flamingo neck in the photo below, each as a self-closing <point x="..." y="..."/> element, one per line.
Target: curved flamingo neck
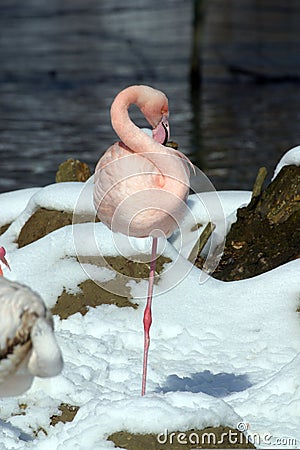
<point x="128" y="132"/>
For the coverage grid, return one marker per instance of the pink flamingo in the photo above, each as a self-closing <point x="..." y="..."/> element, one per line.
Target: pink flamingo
<point x="140" y="185"/>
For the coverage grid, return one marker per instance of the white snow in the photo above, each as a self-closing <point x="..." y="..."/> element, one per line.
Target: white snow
<point x="292" y="157"/>
<point x="229" y="350"/>
<point x="16" y="198"/>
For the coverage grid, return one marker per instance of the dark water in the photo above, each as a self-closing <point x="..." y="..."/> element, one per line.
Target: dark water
<point x="62" y="62"/>
<point x="251" y="90"/>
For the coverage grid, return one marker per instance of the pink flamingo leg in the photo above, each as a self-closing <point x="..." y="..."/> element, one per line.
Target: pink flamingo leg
<point x="148" y="313"/>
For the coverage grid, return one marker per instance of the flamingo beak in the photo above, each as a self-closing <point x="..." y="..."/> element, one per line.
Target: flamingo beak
<point x="2" y="257"/>
<point x="161" y="133"/>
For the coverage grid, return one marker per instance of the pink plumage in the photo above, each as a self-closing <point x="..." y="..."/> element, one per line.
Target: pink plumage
<point x="141" y="185"/>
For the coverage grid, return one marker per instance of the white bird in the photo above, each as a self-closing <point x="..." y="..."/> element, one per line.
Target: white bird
<point x="28" y="345"/>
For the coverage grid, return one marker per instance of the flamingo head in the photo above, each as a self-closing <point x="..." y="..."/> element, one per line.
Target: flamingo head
<point x="2" y="257"/>
<point x="154" y="105"/>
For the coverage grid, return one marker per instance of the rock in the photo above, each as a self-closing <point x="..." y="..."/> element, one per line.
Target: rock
<point x="72" y="170"/>
<point x="41" y="223"/>
<point x="67" y="414"/>
<point x="267" y="231"/>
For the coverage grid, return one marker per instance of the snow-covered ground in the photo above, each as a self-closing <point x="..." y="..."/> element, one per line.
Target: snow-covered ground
<point x="220" y="354"/>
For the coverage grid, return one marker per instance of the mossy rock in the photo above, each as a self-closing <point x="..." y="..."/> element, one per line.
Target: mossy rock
<point x="172" y="144"/>
<point x="92" y="294"/>
<point x="68" y="412"/>
<point x="72" y="170"/>
<point x="266" y="233"/>
<point x="43" y="221"/>
<point x="3" y="228"/>
<point x="137" y="267"/>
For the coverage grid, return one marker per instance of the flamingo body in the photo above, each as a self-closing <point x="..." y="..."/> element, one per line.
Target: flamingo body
<point x="27" y="343"/>
<point x="140" y="185"/>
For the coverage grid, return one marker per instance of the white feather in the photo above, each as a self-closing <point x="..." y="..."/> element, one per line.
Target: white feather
<point x="27" y="343"/>
<point x="45" y="359"/>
